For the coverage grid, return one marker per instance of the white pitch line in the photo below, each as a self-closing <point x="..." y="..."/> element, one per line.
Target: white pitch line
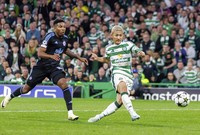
<point x="33" y="111"/>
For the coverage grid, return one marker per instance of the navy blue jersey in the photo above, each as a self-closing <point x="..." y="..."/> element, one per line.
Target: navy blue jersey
<point x="53" y="45"/>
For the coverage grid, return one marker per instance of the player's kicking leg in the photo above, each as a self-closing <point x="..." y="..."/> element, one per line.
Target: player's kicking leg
<point x="21" y="90"/>
<point x="5" y="101"/>
<point x="109" y="110"/>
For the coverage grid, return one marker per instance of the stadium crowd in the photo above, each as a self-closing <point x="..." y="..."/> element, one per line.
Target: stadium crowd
<point x="168" y="31"/>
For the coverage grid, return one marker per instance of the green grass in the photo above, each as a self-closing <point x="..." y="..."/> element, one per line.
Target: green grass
<point x="29" y="116"/>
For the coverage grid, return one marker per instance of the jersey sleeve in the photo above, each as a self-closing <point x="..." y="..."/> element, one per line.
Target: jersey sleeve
<point x="47" y="39"/>
<point x="134" y="49"/>
<point x="106" y="55"/>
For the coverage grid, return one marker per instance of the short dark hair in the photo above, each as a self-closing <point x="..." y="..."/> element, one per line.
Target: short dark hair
<point x="58" y="21"/>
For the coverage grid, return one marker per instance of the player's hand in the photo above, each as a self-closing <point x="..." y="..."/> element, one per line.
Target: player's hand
<point x="141" y="54"/>
<point x="55" y="57"/>
<point x="84" y="60"/>
<point x="93" y="57"/>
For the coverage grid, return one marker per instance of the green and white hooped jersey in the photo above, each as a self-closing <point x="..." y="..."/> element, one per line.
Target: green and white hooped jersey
<point x="121" y="57"/>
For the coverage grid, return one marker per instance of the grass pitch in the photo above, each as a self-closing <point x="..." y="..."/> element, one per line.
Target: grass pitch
<point x="47" y="116"/>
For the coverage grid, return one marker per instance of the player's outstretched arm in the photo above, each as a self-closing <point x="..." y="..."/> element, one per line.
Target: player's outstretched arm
<point x="73" y="55"/>
<point x="42" y="54"/>
<point x="99" y="59"/>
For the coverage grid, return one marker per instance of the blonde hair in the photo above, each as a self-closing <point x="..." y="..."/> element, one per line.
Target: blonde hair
<point x="116" y="28"/>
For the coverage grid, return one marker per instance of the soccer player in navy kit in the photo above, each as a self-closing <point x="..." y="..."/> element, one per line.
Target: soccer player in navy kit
<point x="49" y="53"/>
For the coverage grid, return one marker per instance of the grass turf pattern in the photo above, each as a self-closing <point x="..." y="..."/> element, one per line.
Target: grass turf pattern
<point x="48" y="116"/>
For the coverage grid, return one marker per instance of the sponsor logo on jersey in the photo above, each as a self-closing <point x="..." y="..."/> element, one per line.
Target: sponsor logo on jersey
<point x="64" y="43"/>
<point x="120" y="55"/>
<point x="58" y="51"/>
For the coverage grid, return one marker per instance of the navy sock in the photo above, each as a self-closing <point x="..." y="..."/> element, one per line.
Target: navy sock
<point x="17" y="92"/>
<point x="68" y="98"/>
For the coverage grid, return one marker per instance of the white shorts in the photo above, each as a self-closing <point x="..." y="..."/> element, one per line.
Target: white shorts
<point x="117" y="78"/>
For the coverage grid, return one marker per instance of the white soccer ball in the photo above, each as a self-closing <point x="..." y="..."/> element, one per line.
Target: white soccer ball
<point x="182" y="99"/>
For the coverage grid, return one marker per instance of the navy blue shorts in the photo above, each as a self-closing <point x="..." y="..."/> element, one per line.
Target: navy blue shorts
<point x="38" y="74"/>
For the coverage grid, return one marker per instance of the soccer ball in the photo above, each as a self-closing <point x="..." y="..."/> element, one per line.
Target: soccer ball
<point x="182" y="99"/>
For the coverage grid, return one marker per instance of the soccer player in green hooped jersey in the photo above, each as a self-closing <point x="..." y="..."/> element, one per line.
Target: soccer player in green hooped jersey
<point x="119" y="54"/>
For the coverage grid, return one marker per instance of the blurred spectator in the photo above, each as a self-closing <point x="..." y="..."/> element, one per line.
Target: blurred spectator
<point x="79" y="76"/>
<point x="72" y="36"/>
<point x="42" y="33"/>
<point x="17" y="79"/>
<point x="12" y="19"/>
<point x="80" y="7"/>
<point x="135" y="62"/>
<point x="31" y="48"/>
<point x="179" y="71"/>
<point x="93" y="66"/>
<point x="193" y="39"/>
<point x="132" y="37"/>
<point x="170" y="79"/>
<point x="183" y="19"/>
<point x="190" y="51"/>
<point x="19" y="32"/>
<point x="154" y="33"/>
<point x="180" y="53"/>
<point x="164" y="39"/>
<point x="9" y="74"/>
<point x="142" y="77"/>
<point x="150" y="21"/>
<point x="3" y="52"/>
<point x="70" y="73"/>
<point x="67" y="63"/>
<point x="76" y="48"/>
<point x="190" y="74"/>
<point x="24" y="74"/>
<point x="8" y="39"/>
<point x="107" y="71"/>
<point x="137" y="85"/>
<point x="116" y="22"/>
<point x="25" y="4"/>
<point x="27" y="20"/>
<point x="86" y="23"/>
<point x="169" y="60"/>
<point x="149" y="68"/>
<point x="159" y="63"/>
<point x="33" y="32"/>
<point x="93" y="36"/>
<point x="15" y="59"/>
<point x="32" y="62"/>
<point x="94" y="9"/>
<point x="101" y="75"/>
<point x="92" y="78"/>
<point x="181" y="36"/>
<point x="4" y="45"/>
<point x="147" y="44"/>
<point x="21" y="43"/>
<point x="142" y="29"/>
<point x="3" y="68"/>
<point x="188" y="7"/>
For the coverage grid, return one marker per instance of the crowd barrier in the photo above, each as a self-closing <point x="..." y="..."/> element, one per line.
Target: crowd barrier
<point x="151" y="91"/>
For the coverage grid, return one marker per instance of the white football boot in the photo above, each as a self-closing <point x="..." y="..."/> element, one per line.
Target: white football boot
<point x="5" y="101"/>
<point x="135" y="117"/>
<point x="94" y="119"/>
<point x="72" y="117"/>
